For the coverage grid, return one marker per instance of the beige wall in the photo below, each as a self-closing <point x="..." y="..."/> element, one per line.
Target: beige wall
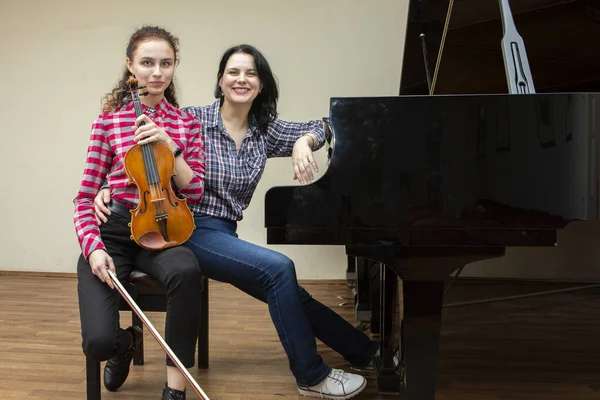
<point x="59" y="57"/>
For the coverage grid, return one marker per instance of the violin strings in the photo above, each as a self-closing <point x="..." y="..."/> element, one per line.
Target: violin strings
<point x="151" y="168"/>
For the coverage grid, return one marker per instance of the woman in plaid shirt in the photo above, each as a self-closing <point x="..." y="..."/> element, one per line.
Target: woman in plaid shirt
<point x="242" y="131"/>
<point x="151" y="58"/>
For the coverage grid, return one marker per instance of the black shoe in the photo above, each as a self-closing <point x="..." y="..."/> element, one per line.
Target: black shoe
<point x="116" y="369"/>
<point x="172" y="394"/>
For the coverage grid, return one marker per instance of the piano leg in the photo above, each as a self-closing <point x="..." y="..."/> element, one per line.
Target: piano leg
<point x="388" y="379"/>
<point x="374" y="295"/>
<point x="351" y="272"/>
<point x="421" y="335"/>
<point x="423" y="276"/>
<point x="409" y="348"/>
<point x="363" y="284"/>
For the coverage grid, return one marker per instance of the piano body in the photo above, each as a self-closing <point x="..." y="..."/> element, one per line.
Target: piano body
<point x="490" y="143"/>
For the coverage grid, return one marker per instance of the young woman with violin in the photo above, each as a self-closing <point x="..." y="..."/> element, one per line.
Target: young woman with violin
<point x="138" y="143"/>
<point x="242" y="131"/>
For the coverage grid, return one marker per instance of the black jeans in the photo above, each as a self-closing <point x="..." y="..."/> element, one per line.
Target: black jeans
<point x="176" y="268"/>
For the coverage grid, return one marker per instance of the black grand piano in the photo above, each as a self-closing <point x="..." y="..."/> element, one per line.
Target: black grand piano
<point x="492" y="142"/>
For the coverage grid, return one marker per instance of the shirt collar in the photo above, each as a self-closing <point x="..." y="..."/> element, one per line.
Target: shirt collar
<point x="161" y="109"/>
<point x="217" y="120"/>
<point x="214" y="115"/>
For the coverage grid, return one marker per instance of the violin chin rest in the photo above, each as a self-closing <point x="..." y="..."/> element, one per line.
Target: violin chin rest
<point x="153" y="240"/>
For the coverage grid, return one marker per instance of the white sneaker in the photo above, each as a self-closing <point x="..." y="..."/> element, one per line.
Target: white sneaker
<point x="337" y="385"/>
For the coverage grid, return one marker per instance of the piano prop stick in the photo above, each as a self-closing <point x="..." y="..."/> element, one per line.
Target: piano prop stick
<point x="518" y="74"/>
<point x="157" y="336"/>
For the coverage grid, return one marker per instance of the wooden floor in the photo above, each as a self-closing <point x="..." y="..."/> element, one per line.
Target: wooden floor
<point x="537" y="348"/>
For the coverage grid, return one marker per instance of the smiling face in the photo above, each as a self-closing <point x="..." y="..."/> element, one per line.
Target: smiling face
<point x="240" y="83"/>
<point x="153" y="65"/>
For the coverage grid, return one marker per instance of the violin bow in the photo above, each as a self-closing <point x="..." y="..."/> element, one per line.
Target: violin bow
<point x="159" y="339"/>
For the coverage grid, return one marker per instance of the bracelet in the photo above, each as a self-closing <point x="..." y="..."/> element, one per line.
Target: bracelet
<point x="177" y="152"/>
<point x="313" y="140"/>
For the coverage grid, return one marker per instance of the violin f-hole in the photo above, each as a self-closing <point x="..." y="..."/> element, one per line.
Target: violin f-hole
<point x="173" y="204"/>
<point x="144" y="203"/>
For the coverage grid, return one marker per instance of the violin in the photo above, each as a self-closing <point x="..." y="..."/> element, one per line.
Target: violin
<point x="161" y="219"/>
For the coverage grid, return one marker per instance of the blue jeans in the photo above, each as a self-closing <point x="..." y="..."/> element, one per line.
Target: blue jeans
<point x="270" y="276"/>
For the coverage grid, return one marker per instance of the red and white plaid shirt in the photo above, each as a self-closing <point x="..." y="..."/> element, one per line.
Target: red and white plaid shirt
<point x="111" y="137"/>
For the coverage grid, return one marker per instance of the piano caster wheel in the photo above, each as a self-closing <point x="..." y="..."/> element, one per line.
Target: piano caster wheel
<point x="350" y="284"/>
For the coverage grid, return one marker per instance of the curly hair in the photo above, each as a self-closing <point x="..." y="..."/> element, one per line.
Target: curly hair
<point x="118" y="96"/>
<point x="264" y="106"/>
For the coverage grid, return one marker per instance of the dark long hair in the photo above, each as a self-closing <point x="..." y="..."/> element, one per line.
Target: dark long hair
<point x="264" y="106"/>
<point x="116" y="98"/>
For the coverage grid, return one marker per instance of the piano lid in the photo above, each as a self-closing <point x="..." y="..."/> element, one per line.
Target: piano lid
<point x="560" y="37"/>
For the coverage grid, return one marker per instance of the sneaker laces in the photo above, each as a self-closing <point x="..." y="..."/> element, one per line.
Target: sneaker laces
<point x="338" y="377"/>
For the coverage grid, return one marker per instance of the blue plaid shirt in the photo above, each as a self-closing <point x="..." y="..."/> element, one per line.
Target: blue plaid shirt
<point x="231" y="178"/>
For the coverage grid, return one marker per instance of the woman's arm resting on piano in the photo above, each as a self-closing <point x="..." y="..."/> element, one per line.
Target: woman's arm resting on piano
<point x="303" y="161"/>
<point x="298" y="139"/>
